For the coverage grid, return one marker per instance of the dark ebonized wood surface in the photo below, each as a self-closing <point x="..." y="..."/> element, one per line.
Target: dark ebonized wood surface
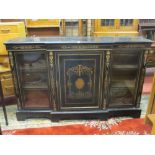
<point x="78" y="77"/>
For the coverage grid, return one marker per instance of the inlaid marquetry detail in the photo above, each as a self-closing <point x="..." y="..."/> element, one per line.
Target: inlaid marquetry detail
<point x="79" y="83"/>
<point x="79" y="69"/>
<point x="26" y="47"/>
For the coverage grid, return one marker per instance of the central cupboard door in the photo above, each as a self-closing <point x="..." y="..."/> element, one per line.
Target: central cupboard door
<point x="79" y="80"/>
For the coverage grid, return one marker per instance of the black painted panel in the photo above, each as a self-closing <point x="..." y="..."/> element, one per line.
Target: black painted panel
<point x="80" y="79"/>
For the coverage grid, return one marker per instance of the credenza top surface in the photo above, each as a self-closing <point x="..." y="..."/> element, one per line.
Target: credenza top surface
<point x="79" y="40"/>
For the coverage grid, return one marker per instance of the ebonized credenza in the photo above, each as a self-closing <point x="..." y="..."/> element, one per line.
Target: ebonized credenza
<point x="78" y="77"/>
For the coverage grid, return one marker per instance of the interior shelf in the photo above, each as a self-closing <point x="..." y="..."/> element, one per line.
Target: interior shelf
<point x="123" y="83"/>
<point x="122" y="67"/>
<point x="41" y="69"/>
<point x="35" y="86"/>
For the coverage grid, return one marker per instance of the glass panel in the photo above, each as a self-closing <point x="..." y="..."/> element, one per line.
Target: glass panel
<point x="121" y="96"/>
<point x="34" y="80"/>
<point x="72" y="26"/>
<point x="33" y="73"/>
<point x="122" y="87"/>
<point x="124" y="72"/>
<point x="31" y="61"/>
<point x="33" y="70"/>
<point x="123" y="78"/>
<point x="107" y="22"/>
<point x="35" y="98"/>
<point x="147" y="21"/>
<point x="120" y="60"/>
<point x="126" y="22"/>
<point x="84" y="28"/>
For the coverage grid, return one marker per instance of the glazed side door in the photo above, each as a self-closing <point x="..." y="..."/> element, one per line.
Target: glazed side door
<point x="32" y="72"/>
<point x="124" y="77"/>
<point x="79" y="79"/>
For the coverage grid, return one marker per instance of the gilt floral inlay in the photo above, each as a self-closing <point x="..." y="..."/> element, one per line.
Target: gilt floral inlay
<point x="79" y="81"/>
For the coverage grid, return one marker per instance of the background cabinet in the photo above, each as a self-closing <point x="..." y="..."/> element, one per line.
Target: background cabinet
<point x="74" y="27"/>
<point x="43" y="27"/>
<point x="115" y="27"/>
<point x="150" y="114"/>
<point x="8" y="30"/>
